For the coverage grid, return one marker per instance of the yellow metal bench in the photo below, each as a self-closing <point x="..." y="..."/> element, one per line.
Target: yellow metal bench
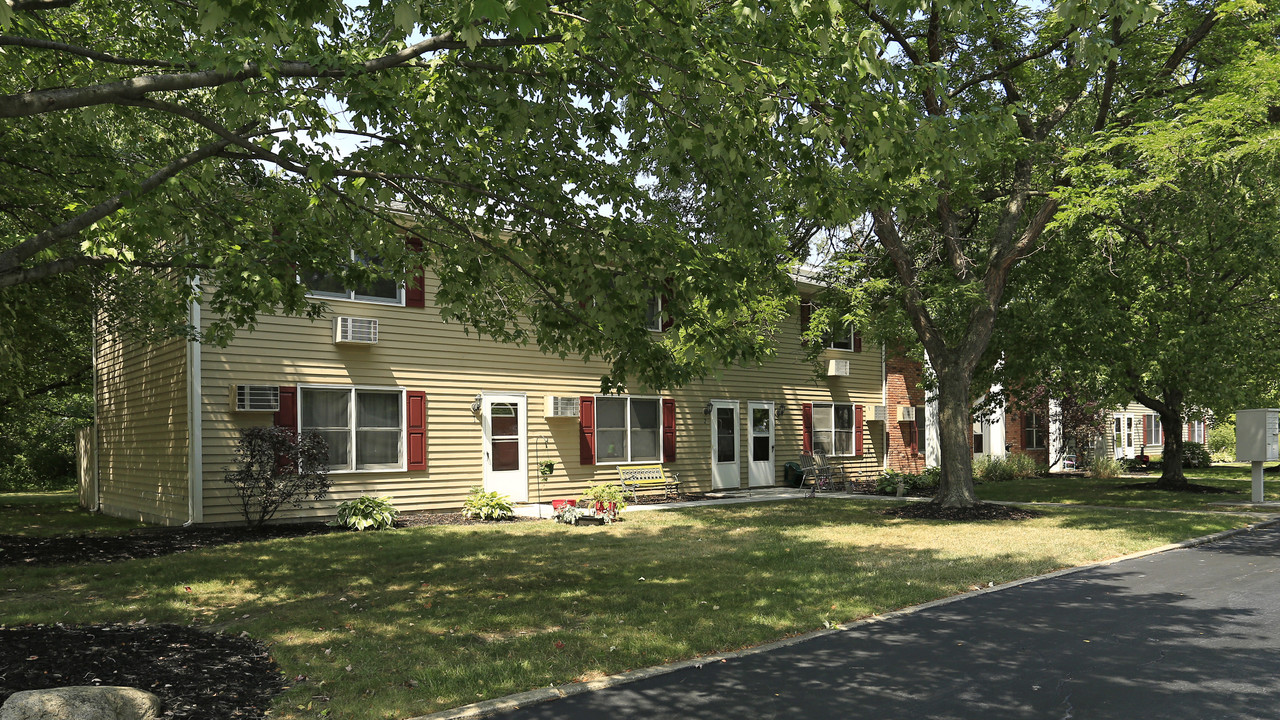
<point x="647" y="477"/>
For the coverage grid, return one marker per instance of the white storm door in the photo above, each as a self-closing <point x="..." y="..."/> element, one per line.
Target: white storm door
<point x="506" y="446"/>
<point x="1128" y="436"/>
<point x="726" y="468"/>
<point x="760" y="447"/>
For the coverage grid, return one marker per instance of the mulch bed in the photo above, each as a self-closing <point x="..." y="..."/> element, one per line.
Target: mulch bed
<point x="145" y="543"/>
<point x="981" y="511"/>
<point x="1189" y="488"/>
<point x="423" y="519"/>
<point x="197" y="675"/>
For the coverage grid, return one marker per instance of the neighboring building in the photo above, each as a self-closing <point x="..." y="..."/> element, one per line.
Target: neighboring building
<point x="1136" y="430"/>
<point x="419" y="410"/>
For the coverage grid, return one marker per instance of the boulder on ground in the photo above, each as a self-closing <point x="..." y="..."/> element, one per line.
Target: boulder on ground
<point x="84" y="702"/>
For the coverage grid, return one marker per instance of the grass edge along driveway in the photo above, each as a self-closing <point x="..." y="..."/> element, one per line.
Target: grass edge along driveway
<point x="401" y="623"/>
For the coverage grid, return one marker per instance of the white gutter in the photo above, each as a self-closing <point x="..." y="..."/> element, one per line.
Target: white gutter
<point x="195" y="430"/>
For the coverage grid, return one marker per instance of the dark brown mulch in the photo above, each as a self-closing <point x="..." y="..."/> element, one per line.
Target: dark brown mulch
<point x="422" y="519"/>
<point x="981" y="511"/>
<point x="146" y="543"/>
<point x="197" y="675"/>
<point x="1189" y="487"/>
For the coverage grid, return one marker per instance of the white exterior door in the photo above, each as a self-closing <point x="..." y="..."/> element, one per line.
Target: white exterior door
<point x="726" y="469"/>
<point x="1123" y="435"/>
<point x="506" y="445"/>
<point x="760" y="465"/>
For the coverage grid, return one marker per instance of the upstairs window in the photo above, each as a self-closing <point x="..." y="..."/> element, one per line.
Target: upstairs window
<point x="385" y="291"/>
<point x="653" y="319"/>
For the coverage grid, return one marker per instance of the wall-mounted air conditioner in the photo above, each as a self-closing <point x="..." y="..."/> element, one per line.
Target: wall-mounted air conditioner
<point x="906" y="413"/>
<point x="837" y="368"/>
<point x="557" y="406"/>
<point x="355" y="331"/>
<point x="255" y="398"/>
<point x="879" y="414"/>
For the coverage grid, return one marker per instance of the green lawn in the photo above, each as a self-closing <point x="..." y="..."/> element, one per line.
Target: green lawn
<point x="477" y="612"/>
<point x="54" y="513"/>
<point x="1087" y="491"/>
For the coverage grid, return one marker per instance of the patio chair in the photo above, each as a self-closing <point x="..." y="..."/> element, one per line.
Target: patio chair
<point x="814" y="469"/>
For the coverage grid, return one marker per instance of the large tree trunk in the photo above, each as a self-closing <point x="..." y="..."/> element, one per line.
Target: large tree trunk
<point x="1169" y="406"/>
<point x="954" y="421"/>
<point x="1171" y="477"/>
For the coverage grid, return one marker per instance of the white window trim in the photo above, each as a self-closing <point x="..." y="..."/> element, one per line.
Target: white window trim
<point x="1041" y="431"/>
<point x="829" y="344"/>
<point x="662" y="428"/>
<point x="853" y="411"/>
<point x="350" y="295"/>
<point x="657" y="316"/>
<point x="404" y="425"/>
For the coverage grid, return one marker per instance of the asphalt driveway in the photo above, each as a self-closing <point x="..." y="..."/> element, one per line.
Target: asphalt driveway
<point x="1191" y="634"/>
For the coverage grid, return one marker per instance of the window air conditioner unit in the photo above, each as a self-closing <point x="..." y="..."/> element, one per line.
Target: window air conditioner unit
<point x="256" y="398"/>
<point x="879" y="414"/>
<point x="561" y="407"/>
<point x="355" y="331"/>
<point x="837" y="368"/>
<point x="906" y="413"/>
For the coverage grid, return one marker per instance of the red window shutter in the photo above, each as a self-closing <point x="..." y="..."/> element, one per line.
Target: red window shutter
<point x="857" y="344"/>
<point x="287" y="415"/>
<point x="416" y="429"/>
<point x="668" y="430"/>
<point x="415" y="290"/>
<point x="587" y="430"/>
<point x="915" y="437"/>
<point x="806" y="314"/>
<point x="857" y="429"/>
<point x="1146" y="433"/>
<point x="806" y="416"/>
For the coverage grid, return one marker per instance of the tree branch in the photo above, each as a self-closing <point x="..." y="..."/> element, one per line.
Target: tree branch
<point x="12" y="259"/>
<point x="43" y="44"/>
<point x="43" y="101"/>
<point x="1189" y="43"/>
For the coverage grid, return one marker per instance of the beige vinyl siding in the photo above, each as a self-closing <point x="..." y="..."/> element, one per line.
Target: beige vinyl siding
<point x="417" y="351"/>
<point x="142" y="429"/>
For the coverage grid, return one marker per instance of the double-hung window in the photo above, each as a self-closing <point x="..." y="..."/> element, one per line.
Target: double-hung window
<point x="653" y="315"/>
<point x="841" y="339"/>
<point x="833" y="428"/>
<point x="628" y="429"/>
<point x="363" y="426"/>
<point x="1033" y="429"/>
<point x="1155" y="436"/>
<point x="382" y="290"/>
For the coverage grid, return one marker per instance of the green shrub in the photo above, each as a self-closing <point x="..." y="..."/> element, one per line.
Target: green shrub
<point x="483" y="505"/>
<point x="1006" y="468"/>
<point x="366" y="512"/>
<point x="1222" y="441"/>
<point x="1195" y="455"/>
<point x="278" y="466"/>
<point x="925" y="483"/>
<point x="1104" y="467"/>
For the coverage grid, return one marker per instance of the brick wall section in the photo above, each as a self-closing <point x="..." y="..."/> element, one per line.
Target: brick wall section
<point x="903" y="379"/>
<point x="1015" y="433"/>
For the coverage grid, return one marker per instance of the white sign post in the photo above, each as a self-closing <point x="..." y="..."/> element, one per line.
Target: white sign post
<point x="1258" y="442"/>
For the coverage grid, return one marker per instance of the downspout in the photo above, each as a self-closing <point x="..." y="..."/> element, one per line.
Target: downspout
<point x="97" y="427"/>
<point x="195" y="431"/>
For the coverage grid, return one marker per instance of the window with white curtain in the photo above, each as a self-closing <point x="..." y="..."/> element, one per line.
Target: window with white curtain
<point x="363" y="426"/>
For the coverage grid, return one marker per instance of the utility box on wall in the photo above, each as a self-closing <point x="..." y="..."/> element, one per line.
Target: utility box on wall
<point x="1258" y="435"/>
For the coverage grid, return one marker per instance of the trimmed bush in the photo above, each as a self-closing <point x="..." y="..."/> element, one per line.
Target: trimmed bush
<point x="925" y="483"/>
<point x="1009" y="467"/>
<point x="1195" y="455"/>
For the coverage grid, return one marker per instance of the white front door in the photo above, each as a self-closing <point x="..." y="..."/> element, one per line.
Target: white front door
<point x="726" y="471"/>
<point x="505" y="446"/>
<point x="760" y="447"/>
<point x="1123" y="435"/>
